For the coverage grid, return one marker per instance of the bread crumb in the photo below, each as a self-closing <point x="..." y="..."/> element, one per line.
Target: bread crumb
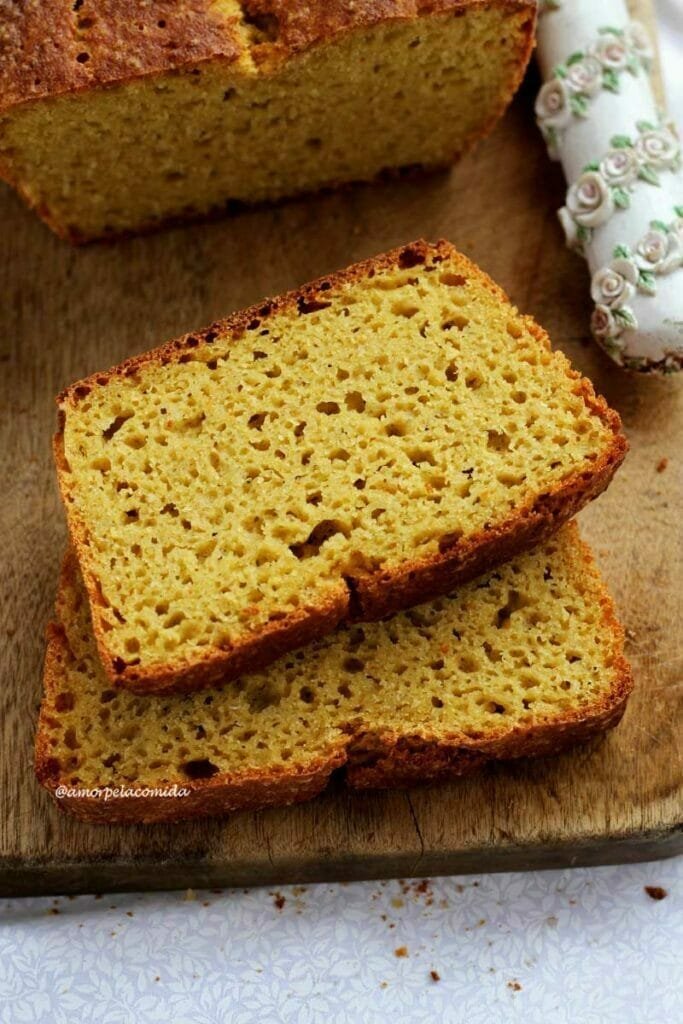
<point x="552" y="921"/>
<point x="435" y="976"/>
<point x="662" y="464"/>
<point x="514" y="985"/>
<point x="401" y="951"/>
<point x="278" y="900"/>
<point x="655" y="892"/>
<point x="384" y="984"/>
<point x="190" y="894"/>
<point x="397" y="903"/>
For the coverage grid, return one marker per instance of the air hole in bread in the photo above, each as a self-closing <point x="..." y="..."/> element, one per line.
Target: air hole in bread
<point x="201" y="768"/>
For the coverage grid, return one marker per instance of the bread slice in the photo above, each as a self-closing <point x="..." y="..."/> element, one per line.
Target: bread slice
<point x="116" y="118"/>
<point x="341" y="452"/>
<point x="523" y="662"/>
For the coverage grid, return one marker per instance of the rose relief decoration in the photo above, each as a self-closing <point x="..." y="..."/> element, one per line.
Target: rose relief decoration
<point x="606" y="185"/>
<point x="622" y="158"/>
<point x="584" y="74"/>
<point x="659" y="252"/>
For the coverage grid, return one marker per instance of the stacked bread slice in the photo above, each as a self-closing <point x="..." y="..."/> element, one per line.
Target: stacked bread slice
<point x="275" y="524"/>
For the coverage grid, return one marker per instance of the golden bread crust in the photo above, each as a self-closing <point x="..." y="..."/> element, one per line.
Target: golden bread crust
<point x="371" y="758"/>
<point x="368" y="597"/>
<point x="52" y="47"/>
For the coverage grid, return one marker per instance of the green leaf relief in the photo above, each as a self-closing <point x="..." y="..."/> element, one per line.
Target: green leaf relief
<point x="621" y="142"/>
<point x="610" y="80"/>
<point x="575" y="58"/>
<point x="621" y="252"/>
<point x="647" y="173"/>
<point x="560" y="71"/>
<point x="646" y="126"/>
<point x="625" y="317"/>
<point x="592" y="166"/>
<point x="678" y="210"/>
<point x="612" y="29"/>
<point x="621" y="198"/>
<point x="646" y="282"/>
<point x="579" y="104"/>
<point x="659" y="225"/>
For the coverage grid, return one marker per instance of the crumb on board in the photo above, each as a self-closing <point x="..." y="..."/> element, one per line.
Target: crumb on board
<point x="435" y="976"/>
<point x="278" y="900"/>
<point x="514" y="985"/>
<point x="401" y="951"/>
<point x="384" y="984"/>
<point x="655" y="892"/>
<point x="190" y="894"/>
<point x="662" y="464"/>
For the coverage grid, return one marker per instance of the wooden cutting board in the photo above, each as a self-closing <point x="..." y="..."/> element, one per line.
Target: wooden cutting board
<point x="65" y="313"/>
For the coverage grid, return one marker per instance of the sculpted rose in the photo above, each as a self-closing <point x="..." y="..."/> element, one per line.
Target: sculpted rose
<point x="659" y="148"/>
<point x="619" y="167"/>
<point x="552" y="104"/>
<point x="614" y="285"/>
<point x="612" y="51"/>
<point x="603" y="324"/>
<point x="638" y="39"/>
<point x="585" y="76"/>
<point x="589" y="200"/>
<point x="661" y="250"/>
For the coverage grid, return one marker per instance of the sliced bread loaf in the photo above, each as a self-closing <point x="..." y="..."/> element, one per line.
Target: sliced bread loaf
<point x="118" y="117"/>
<point x="525" y="661"/>
<point x="340" y="452"/>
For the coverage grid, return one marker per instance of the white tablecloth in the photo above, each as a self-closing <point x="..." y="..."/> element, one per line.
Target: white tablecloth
<point x="581" y="947"/>
<point x="571" y="947"/>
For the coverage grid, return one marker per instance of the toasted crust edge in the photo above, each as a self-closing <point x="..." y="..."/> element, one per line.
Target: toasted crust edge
<point x="372" y="759"/>
<point x="366" y="598"/>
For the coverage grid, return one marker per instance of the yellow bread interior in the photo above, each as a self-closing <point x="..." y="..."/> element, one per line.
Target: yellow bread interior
<point x="400" y="93"/>
<point x="219" y="490"/>
<point x="533" y="644"/>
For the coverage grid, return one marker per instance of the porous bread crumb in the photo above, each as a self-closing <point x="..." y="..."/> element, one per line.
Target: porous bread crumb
<point x="265" y="472"/>
<point x="203" y="109"/>
<point x="531" y="644"/>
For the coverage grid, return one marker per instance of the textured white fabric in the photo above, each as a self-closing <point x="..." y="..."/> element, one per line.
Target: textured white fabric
<point x="571" y="947"/>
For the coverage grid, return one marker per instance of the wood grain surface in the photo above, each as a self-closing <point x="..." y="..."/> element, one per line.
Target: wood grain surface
<point x="66" y="312"/>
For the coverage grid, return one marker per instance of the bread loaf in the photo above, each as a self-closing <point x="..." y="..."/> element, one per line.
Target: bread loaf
<point x="523" y="662"/>
<point x="118" y="117"/>
<point x="340" y="452"/>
